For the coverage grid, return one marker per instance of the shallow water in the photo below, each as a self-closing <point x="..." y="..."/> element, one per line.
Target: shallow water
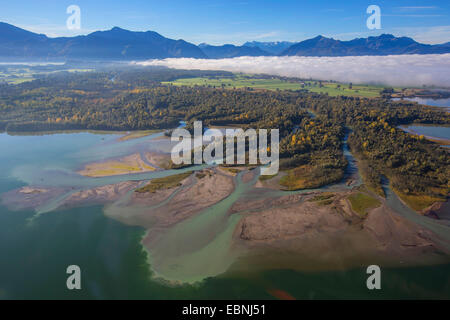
<point x="444" y="103"/>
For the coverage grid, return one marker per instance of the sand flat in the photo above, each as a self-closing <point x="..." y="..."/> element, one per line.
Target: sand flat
<point x="129" y="164"/>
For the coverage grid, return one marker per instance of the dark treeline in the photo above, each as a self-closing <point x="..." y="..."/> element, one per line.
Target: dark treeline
<point x="136" y="99"/>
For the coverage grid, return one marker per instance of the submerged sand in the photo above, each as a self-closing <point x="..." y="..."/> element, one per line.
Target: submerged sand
<point x="31" y="197"/>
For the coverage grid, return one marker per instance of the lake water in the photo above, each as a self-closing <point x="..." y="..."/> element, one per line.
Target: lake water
<point x="34" y="257"/>
<point x="439" y="132"/>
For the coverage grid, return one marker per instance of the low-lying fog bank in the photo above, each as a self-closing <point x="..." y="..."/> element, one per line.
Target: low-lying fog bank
<point x="395" y="70"/>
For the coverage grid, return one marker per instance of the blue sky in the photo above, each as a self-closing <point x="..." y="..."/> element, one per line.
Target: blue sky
<point x="237" y="21"/>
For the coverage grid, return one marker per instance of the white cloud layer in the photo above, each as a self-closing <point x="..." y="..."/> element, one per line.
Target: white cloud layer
<point x="396" y="70"/>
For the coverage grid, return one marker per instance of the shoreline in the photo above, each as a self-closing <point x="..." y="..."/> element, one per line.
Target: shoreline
<point x="406" y="128"/>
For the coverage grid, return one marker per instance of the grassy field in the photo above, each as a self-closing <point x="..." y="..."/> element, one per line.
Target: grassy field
<point x="336" y="89"/>
<point x="240" y="81"/>
<point x="246" y="81"/>
<point x="323" y="199"/>
<point x="233" y="171"/>
<point x="362" y="202"/>
<point x="16" y="76"/>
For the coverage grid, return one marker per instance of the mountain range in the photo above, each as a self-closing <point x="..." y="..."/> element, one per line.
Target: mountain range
<point x="113" y="44"/>
<point x="120" y="44"/>
<point x="385" y="44"/>
<point x="274" y="48"/>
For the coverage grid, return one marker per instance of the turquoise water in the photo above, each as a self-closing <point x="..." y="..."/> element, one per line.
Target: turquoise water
<point x="34" y="257"/>
<point x="199" y="247"/>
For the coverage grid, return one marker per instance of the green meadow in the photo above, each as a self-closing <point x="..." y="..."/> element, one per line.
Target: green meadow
<point x="339" y="89"/>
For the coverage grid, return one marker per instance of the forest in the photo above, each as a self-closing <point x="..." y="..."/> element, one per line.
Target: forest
<point x="312" y="125"/>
